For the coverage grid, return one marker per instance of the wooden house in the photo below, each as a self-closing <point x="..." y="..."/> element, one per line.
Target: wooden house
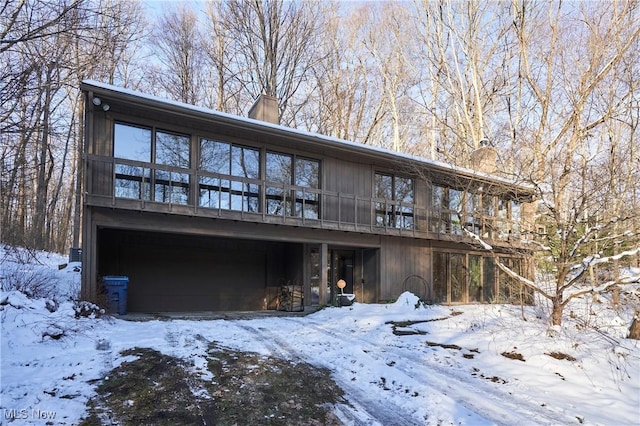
<point x="207" y="211"/>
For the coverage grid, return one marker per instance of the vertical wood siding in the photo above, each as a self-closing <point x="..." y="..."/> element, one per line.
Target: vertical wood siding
<point x="400" y="258"/>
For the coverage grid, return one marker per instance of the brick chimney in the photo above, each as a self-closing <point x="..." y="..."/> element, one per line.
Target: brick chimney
<point x="483" y="159"/>
<point x="265" y="108"/>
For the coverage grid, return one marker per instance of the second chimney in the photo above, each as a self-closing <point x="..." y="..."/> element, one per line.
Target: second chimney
<point x="265" y="108"/>
<point x="483" y="159"/>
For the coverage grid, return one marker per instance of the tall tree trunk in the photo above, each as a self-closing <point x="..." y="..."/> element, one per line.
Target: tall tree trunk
<point x="557" y="308"/>
<point x="39" y="218"/>
<point x="79" y="176"/>
<point x="634" y="330"/>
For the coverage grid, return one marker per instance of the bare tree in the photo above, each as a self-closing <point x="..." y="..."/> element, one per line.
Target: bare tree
<point x="275" y="46"/>
<point x="466" y="57"/>
<point x="24" y="21"/>
<point x="388" y="43"/>
<point x="31" y="133"/>
<point x="567" y="150"/>
<point x="346" y="101"/>
<point x="47" y="48"/>
<point x="224" y="92"/>
<point x="180" y="48"/>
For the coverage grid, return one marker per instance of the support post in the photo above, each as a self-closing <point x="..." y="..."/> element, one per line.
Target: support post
<point x="324" y="274"/>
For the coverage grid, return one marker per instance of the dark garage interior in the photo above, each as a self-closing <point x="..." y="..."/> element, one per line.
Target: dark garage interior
<point x="185" y="273"/>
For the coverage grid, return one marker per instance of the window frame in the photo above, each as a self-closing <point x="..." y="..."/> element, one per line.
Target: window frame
<point x="153" y="179"/>
<point x="392" y="209"/>
<point x="292" y="197"/>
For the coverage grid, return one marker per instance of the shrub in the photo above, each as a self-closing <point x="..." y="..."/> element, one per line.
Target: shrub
<point x="33" y="283"/>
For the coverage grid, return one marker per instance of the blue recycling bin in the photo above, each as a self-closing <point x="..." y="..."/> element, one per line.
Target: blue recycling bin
<point x="116" y="293"/>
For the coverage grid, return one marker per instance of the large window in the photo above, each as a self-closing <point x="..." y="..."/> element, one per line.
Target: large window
<point x="447" y="206"/>
<point x="456" y="200"/>
<point x="291" y="185"/>
<point x="458" y="277"/>
<point x="488" y="279"/>
<point x="440" y="277"/>
<point x="516" y="218"/>
<point x="474" y="270"/>
<point x="307" y="177"/>
<point x="470" y="278"/>
<point x="488" y="216"/>
<point x="232" y="179"/>
<point x="215" y="192"/>
<point x="510" y="289"/>
<point x="146" y="182"/>
<point x="172" y="186"/>
<point x="394" y="201"/>
<point x="279" y="173"/>
<point x="132" y="143"/>
<point x="245" y="194"/>
<point x="439" y="206"/>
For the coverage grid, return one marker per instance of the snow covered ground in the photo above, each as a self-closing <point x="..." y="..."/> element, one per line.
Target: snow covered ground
<point x="399" y="364"/>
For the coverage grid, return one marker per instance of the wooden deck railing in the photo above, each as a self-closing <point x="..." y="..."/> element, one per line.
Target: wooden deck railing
<point x="135" y="185"/>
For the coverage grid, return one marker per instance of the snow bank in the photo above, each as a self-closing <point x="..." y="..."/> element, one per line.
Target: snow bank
<point x="479" y="365"/>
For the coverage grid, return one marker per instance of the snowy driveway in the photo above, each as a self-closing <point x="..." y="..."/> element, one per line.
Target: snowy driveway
<point x="398" y="364"/>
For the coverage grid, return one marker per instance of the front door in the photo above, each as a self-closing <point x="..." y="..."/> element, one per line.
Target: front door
<point x="342" y="268"/>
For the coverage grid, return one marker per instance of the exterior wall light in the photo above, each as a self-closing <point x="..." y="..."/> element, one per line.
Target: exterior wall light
<point x="105" y="107"/>
<point x="97" y="101"/>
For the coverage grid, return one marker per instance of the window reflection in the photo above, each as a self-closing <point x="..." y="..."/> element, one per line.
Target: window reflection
<point x="384" y="209"/>
<point x="283" y="173"/>
<point x="215" y="156"/>
<point x="516" y="219"/>
<point x="488" y="279"/>
<point x="468" y="278"/>
<point x="147" y="182"/>
<point x="172" y="149"/>
<point x="133" y="182"/>
<point x="440" y="274"/>
<point x="307" y="175"/>
<point x="227" y="161"/>
<point x="455" y="207"/>
<point x="395" y="199"/>
<point x="488" y="216"/>
<point x="475" y="278"/>
<point x="278" y="175"/>
<point x="132" y="142"/>
<point x="245" y="163"/>
<point x="512" y="290"/>
<point x="171" y="187"/>
<point x="458" y="277"/>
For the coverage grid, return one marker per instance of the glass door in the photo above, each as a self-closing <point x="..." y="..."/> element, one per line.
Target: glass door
<point x="475" y="278"/>
<point x="315" y="276"/>
<point x="342" y="268"/>
<point x="458" y="277"/>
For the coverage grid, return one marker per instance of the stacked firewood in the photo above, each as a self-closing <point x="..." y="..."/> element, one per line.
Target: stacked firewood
<point x="291" y="298"/>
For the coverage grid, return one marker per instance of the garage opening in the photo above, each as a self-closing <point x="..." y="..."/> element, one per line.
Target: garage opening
<point x="184" y="273"/>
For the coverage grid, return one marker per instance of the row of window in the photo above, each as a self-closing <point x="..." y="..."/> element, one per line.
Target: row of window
<point x="483" y="214"/>
<point x="229" y="178"/>
<point x="468" y="278"/>
<point x="230" y="174"/>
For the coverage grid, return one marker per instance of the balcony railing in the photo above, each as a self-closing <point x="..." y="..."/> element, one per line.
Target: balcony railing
<point x="136" y="185"/>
